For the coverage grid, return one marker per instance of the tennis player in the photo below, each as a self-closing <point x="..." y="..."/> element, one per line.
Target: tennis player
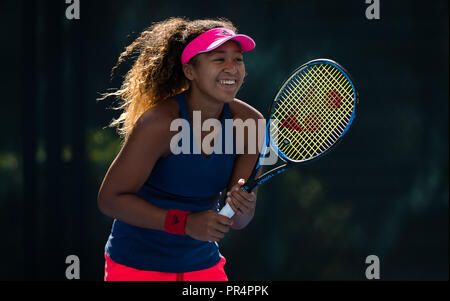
<point x="165" y="205"/>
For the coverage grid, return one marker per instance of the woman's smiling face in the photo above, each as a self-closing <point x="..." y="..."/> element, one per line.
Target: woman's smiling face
<point x="218" y="74"/>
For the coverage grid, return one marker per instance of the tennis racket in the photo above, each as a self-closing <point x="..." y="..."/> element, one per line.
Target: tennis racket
<point x="311" y="113"/>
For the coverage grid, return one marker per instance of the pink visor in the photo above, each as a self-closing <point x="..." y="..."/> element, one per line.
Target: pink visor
<point x="213" y="38"/>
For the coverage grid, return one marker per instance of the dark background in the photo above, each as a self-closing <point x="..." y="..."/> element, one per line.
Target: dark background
<point x="383" y="191"/>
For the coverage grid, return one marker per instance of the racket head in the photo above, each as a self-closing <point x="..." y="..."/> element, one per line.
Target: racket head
<point x="313" y="109"/>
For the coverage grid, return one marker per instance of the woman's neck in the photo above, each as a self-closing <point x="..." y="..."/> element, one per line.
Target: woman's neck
<point x="197" y="101"/>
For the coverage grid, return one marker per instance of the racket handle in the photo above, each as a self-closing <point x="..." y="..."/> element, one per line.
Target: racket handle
<point x="248" y="186"/>
<point x="227" y="211"/>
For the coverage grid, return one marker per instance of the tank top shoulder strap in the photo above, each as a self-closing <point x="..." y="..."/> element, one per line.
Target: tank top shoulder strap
<point x="181" y="99"/>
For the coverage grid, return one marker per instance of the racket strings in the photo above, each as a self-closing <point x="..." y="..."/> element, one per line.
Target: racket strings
<point x="290" y="108"/>
<point x="311" y="143"/>
<point x="311" y="122"/>
<point x="339" y="114"/>
<point x="293" y="90"/>
<point x="322" y="97"/>
<point x="329" y="118"/>
<point x="321" y="88"/>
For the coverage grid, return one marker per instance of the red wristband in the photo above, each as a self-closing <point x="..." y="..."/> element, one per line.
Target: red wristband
<point x="175" y="221"/>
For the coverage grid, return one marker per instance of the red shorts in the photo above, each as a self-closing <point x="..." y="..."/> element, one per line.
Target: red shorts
<point x="117" y="272"/>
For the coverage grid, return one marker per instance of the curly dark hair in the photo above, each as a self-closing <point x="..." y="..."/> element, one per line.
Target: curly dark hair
<point x="157" y="73"/>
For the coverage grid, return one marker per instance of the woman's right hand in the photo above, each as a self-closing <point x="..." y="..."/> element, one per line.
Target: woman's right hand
<point x="207" y="225"/>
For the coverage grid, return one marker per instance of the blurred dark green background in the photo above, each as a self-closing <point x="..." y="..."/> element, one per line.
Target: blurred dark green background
<point x="383" y="191"/>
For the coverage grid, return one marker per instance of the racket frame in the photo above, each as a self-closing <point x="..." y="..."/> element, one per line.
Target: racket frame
<point x="254" y="181"/>
<point x="289" y="162"/>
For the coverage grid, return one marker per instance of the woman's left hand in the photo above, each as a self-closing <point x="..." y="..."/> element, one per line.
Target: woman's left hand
<point x="242" y="202"/>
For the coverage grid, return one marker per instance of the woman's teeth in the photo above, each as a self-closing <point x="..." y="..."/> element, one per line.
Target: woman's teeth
<point x="227" y="82"/>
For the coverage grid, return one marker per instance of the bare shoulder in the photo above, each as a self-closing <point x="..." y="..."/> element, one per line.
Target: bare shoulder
<point x="159" y="116"/>
<point x="242" y="110"/>
<point x="154" y="124"/>
<point x="152" y="129"/>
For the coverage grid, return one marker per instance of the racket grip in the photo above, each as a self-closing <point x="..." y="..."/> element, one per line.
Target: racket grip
<point x="248" y="186"/>
<point x="227" y="211"/>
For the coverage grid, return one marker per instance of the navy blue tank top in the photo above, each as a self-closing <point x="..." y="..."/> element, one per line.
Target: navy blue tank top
<point x="188" y="182"/>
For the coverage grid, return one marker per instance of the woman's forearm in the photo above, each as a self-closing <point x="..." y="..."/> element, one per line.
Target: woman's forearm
<point x="133" y="210"/>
